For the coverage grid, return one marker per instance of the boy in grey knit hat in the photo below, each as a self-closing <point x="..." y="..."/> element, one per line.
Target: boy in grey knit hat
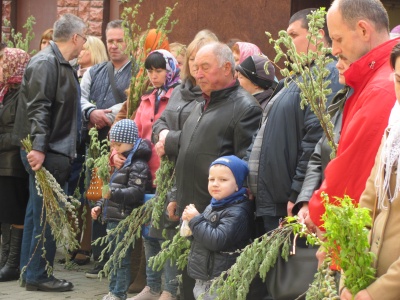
<point x="127" y="189"/>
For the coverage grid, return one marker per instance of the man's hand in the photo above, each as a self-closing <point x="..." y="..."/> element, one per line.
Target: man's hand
<point x="346" y="295"/>
<point x="289" y="208"/>
<point x="99" y="119"/>
<point x="171" y="209"/>
<point x="363" y="295"/>
<point x="303" y="213"/>
<point x="160" y="148"/>
<point x="190" y="212"/>
<point x="95" y="212"/>
<point x="163" y="135"/>
<point x="35" y="159"/>
<point x="119" y="160"/>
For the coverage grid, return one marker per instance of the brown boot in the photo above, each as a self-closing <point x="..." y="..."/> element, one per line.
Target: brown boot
<point x="139" y="281"/>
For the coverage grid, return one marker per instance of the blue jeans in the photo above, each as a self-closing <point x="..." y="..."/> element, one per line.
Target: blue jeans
<point x="152" y="247"/>
<point x="31" y="252"/>
<point x="121" y="278"/>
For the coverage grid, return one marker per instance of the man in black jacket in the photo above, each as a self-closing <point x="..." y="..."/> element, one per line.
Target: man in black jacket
<point x="287" y="140"/>
<point x="221" y="125"/>
<point x="49" y="111"/>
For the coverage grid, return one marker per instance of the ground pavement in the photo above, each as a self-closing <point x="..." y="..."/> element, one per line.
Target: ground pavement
<point x="84" y="288"/>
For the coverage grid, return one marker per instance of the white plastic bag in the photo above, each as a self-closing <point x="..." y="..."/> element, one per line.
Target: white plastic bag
<point x="185" y="229"/>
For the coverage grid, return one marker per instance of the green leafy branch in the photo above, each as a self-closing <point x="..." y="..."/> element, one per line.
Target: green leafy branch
<point x="98" y="158"/>
<point x="175" y="250"/>
<point x="17" y="40"/>
<point x="312" y="68"/>
<point x="258" y="257"/>
<point x="347" y="241"/>
<point x="57" y="211"/>
<point x="135" y="46"/>
<point x="130" y="228"/>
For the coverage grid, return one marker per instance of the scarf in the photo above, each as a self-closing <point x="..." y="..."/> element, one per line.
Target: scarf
<point x="232" y="198"/>
<point x="389" y="159"/>
<point x="246" y="50"/>
<point x="173" y="77"/>
<point x="14" y="64"/>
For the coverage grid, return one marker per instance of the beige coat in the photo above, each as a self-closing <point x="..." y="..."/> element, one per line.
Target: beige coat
<point x="385" y="239"/>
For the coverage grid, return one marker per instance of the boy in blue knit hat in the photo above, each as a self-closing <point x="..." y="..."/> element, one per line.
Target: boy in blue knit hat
<point x="127" y="189"/>
<point x="224" y="227"/>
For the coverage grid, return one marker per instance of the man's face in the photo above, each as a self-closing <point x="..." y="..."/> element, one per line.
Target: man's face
<point x="347" y="43"/>
<point x="116" y="45"/>
<point x="299" y="37"/>
<point x="210" y="76"/>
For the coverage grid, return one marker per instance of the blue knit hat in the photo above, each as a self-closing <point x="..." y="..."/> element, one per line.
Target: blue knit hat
<point x="238" y="167"/>
<point x="124" y="131"/>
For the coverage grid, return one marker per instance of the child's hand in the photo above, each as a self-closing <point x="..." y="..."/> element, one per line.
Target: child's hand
<point x="119" y="160"/>
<point x="95" y="212"/>
<point x="190" y="212"/>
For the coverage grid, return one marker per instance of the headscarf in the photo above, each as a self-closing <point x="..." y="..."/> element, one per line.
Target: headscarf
<point x="14" y="64"/>
<point x="172" y="71"/>
<point x="246" y="50"/>
<point x="390" y="158"/>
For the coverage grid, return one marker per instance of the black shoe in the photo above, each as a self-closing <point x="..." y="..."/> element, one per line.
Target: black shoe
<point x="54" y="285"/>
<point x="95" y="271"/>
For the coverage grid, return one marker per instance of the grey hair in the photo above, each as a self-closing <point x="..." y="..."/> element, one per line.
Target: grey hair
<point x="66" y="26"/>
<point x="223" y="54"/>
<point x="114" y="24"/>
<point x="372" y="10"/>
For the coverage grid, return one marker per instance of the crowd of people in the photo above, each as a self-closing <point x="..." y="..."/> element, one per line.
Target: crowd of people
<point x="235" y="133"/>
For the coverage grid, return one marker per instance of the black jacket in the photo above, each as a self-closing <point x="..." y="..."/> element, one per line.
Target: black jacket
<point x="289" y="139"/>
<point x="225" y="127"/>
<point x="128" y="186"/>
<point x="10" y="158"/>
<point x="180" y="105"/>
<point x="217" y="233"/>
<point x="321" y="156"/>
<point x="47" y="108"/>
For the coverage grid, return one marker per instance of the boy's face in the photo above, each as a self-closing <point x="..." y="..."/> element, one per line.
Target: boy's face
<point x="221" y="182"/>
<point x="122" y="147"/>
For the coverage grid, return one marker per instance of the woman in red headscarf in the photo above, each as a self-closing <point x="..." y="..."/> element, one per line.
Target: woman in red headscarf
<point x="13" y="177"/>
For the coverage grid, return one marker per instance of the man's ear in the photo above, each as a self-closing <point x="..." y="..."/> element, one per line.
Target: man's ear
<point x="227" y="68"/>
<point x="364" y="30"/>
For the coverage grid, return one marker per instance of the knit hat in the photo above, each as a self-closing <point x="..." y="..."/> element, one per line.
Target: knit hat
<point x="238" y="167"/>
<point x="253" y="69"/>
<point x="124" y="131"/>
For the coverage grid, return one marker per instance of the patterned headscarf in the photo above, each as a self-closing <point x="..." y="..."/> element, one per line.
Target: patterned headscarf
<point x="172" y="69"/>
<point x="14" y="64"/>
<point x="246" y="50"/>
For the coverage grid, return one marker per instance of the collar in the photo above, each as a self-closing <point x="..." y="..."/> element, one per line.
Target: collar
<point x="220" y="94"/>
<point x="56" y="50"/>
<point x="153" y="92"/>
<point x="122" y="68"/>
<point x="361" y="71"/>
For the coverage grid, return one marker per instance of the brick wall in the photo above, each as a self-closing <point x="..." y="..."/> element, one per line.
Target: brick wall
<point x="91" y="11"/>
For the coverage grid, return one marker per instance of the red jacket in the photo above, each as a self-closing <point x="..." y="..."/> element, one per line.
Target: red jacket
<point x="145" y="118"/>
<point x="365" y="118"/>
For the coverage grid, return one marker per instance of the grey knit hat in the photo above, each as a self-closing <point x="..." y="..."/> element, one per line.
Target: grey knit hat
<point x="124" y="131"/>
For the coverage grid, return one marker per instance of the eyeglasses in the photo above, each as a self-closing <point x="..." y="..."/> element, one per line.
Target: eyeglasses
<point x="84" y="38"/>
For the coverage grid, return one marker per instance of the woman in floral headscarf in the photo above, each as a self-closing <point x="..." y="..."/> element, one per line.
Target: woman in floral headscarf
<point x="164" y="75"/>
<point x="13" y="177"/>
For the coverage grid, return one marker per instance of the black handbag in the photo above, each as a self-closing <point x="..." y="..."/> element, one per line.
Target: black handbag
<point x="288" y="280"/>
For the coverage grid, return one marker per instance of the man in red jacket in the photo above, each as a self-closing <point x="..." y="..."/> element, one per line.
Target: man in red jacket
<point x="360" y="36"/>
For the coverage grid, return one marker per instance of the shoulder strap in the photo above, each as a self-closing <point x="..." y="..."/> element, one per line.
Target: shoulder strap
<point x="111" y="77"/>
